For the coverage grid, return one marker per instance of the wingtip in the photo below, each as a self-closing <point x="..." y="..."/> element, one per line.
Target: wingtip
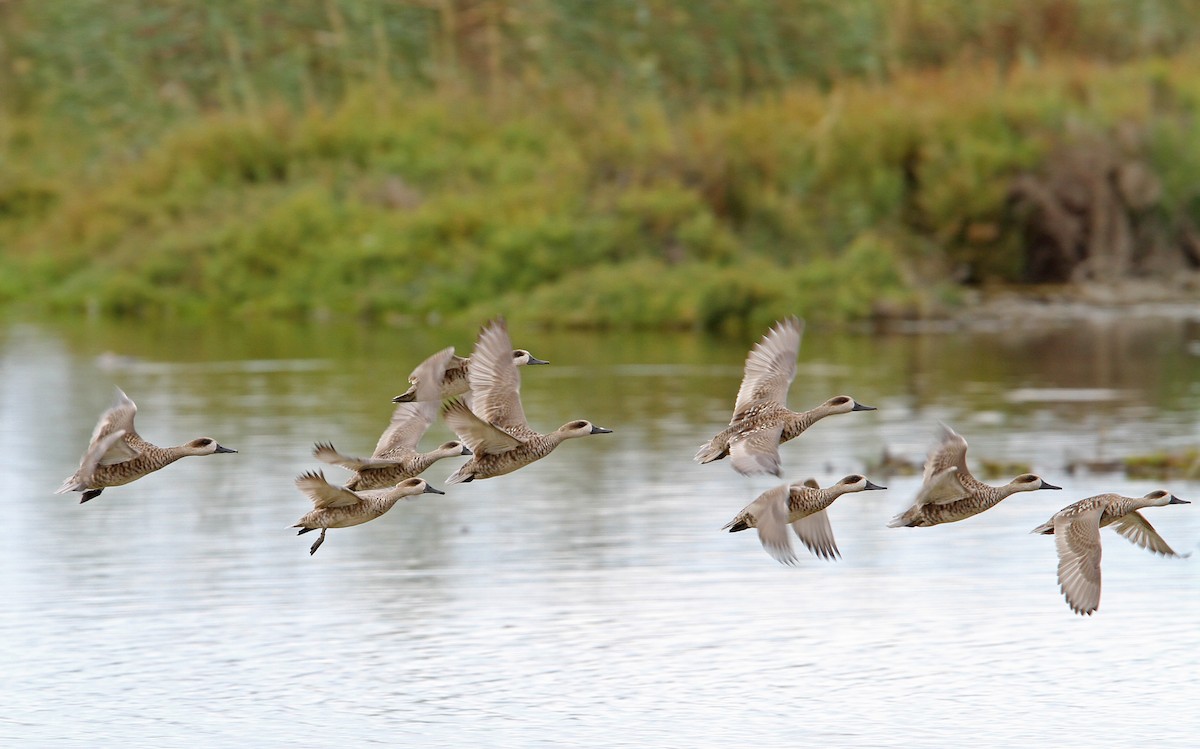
<point x="309" y="475"/>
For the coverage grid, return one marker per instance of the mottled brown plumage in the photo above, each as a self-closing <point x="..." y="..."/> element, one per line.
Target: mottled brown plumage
<point x="802" y="506"/>
<point x="456" y="379"/>
<point x="494" y="427"/>
<point x="396" y="456"/>
<point x="950" y="493"/>
<point x="338" y="507"/>
<point x="761" y="419"/>
<point x="1076" y="531"/>
<point x="118" y="455"/>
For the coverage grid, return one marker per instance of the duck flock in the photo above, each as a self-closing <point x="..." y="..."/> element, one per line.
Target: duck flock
<point x="479" y="398"/>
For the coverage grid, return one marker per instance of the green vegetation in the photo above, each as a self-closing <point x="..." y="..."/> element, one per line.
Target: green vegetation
<point x="579" y="164"/>
<point x="1185" y="464"/>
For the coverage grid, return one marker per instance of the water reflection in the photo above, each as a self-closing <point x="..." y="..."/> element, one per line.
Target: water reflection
<point x="589" y="599"/>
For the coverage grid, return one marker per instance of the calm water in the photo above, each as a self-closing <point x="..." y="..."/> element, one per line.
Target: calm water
<point x="589" y="599"/>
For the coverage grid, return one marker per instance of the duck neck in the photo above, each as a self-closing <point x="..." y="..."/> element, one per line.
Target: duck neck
<point x="387" y="501"/>
<point x="825" y="497"/>
<point x="421" y="461"/>
<point x="164" y="456"/>
<point x="797" y="422"/>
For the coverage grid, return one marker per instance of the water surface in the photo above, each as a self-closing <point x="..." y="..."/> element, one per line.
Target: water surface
<point x="589" y="599"/>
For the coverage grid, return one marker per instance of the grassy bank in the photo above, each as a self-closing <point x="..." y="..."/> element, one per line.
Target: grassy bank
<point x="440" y="174"/>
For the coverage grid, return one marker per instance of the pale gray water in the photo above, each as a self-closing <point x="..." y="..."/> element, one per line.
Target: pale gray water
<point x="589" y="599"/>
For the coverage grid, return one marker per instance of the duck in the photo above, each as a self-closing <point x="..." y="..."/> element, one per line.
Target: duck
<point x="494" y="427"/>
<point x="1076" y="531"/>
<point x="117" y="454"/>
<point x="761" y="419"/>
<point x="455" y="381"/>
<point x="396" y="456"/>
<point x="801" y="505"/>
<point x="950" y="493"/>
<point x="339" y="507"/>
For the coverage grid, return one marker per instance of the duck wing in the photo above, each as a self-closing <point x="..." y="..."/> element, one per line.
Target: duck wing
<point x="771" y="365"/>
<point x="323" y="494"/>
<point x="409" y="422"/>
<point x="816" y="534"/>
<point x="1077" y="538"/>
<point x="1134" y="527"/>
<point x="941" y="488"/>
<point x="479" y="436"/>
<point x="495" y="380"/>
<point x="757" y="453"/>
<point x="770" y="516"/>
<point x="119" y="417"/>
<point x="326" y="453"/>
<point x="81" y="480"/>
<point x="945" y="468"/>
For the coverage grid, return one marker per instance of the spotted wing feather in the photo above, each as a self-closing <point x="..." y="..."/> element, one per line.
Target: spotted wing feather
<point x="495" y="380"/>
<point x="1134" y="527"/>
<point x="757" y="453"/>
<point x="323" y="494"/>
<point x="1077" y="538"/>
<point x="816" y="534"/>
<point x="771" y="366"/>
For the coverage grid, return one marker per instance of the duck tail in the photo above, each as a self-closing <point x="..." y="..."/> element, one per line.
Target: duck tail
<point x="710" y="451"/>
<point x="735" y="525"/>
<point x="906" y="519"/>
<point x="1046" y="529"/>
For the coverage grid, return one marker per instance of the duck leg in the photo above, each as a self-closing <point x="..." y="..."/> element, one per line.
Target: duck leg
<point x="317" y="544"/>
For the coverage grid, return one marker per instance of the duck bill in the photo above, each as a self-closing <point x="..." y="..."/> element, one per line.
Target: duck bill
<point x="1177" y="501"/>
<point x="466" y="451"/>
<point x="600" y="430"/>
<point x="430" y="490"/>
<point x="222" y="449"/>
<point x="871" y="486"/>
<point x="860" y="407"/>
<point x="1048" y="486"/>
<point x="534" y="360"/>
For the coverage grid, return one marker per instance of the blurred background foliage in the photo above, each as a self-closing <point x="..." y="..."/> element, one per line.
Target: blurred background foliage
<point x="618" y="163"/>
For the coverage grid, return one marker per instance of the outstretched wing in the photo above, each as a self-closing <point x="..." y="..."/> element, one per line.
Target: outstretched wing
<point x="940" y="489"/>
<point x="816" y="534"/>
<point x="770" y="515"/>
<point x="81" y="480"/>
<point x="1138" y="530"/>
<point x="495" y="380"/>
<point x="944" y="470"/>
<point x="1077" y="538"/>
<point x="428" y="375"/>
<point x="771" y="365"/>
<point x="119" y="417"/>
<point x="757" y="453"/>
<point x="323" y="494"/>
<point x="480" y="437"/>
<point x="409" y="423"/>
<point x="326" y="453"/>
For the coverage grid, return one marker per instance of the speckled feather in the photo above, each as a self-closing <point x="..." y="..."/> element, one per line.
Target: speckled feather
<point x="950" y="493"/>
